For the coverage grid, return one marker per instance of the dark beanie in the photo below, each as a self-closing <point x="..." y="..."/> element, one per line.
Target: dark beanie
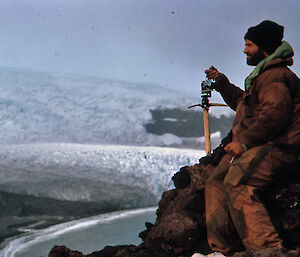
<point x="267" y="35"/>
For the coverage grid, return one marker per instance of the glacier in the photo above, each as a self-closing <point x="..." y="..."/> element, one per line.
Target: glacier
<point x="121" y="176"/>
<point x="82" y="138"/>
<point x="42" y="107"/>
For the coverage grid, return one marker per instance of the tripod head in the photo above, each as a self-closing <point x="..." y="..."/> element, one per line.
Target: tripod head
<point x="207" y="86"/>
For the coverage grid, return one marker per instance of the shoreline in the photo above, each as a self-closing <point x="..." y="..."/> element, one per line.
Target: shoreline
<point x="21" y="214"/>
<point x="32" y="230"/>
<point x="14" y="226"/>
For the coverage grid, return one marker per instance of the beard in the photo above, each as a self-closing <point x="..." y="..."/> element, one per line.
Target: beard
<point x="256" y="58"/>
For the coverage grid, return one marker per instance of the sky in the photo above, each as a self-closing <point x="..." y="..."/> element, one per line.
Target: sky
<point x="165" y="42"/>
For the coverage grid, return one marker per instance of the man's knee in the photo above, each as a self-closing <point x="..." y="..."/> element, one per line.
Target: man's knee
<point x="249" y="168"/>
<point x="209" y="187"/>
<point x="212" y="183"/>
<point x="232" y="180"/>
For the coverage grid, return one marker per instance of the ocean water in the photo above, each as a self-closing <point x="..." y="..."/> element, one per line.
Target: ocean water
<point x="86" y="235"/>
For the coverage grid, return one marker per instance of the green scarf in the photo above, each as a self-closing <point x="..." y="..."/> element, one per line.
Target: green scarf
<point x="283" y="51"/>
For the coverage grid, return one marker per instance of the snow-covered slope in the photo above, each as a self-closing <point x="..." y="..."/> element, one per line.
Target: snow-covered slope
<point x="115" y="176"/>
<point x="41" y="107"/>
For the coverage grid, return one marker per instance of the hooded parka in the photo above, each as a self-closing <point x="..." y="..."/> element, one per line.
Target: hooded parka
<point x="267" y="124"/>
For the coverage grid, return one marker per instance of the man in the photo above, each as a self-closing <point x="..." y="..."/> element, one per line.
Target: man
<point x="265" y="143"/>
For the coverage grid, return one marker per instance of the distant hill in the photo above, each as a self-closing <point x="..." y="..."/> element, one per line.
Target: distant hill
<point x="186" y="124"/>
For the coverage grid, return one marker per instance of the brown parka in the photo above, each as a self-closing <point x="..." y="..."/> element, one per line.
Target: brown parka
<point x="267" y="122"/>
<point x="270" y="111"/>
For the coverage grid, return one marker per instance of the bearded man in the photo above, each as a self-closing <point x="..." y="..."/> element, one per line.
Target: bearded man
<point x="265" y="144"/>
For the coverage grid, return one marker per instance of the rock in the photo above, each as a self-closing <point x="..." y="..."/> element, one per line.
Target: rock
<point x="62" y="251"/>
<point x="179" y="229"/>
<point x="180" y="223"/>
<point x="133" y="251"/>
<point x="283" y="204"/>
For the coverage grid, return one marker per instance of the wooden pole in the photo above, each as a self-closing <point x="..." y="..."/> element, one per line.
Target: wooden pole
<point x="206" y="124"/>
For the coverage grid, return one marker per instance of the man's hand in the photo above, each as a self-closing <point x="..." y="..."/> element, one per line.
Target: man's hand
<point x="234" y="148"/>
<point x="212" y="73"/>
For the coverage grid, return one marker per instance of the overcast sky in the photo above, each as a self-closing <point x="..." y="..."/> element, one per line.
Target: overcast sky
<point x="166" y="42"/>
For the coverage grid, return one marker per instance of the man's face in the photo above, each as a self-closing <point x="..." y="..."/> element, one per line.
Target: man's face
<point x="254" y="53"/>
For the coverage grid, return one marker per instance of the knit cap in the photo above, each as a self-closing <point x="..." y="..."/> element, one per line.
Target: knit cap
<point x="267" y="35"/>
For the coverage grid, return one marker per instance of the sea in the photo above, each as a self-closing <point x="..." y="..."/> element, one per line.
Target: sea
<point x="85" y="235"/>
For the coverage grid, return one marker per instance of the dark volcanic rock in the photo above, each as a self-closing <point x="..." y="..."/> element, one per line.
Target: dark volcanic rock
<point x="179" y="229"/>
<point x="62" y="251"/>
<point x="180" y="223"/>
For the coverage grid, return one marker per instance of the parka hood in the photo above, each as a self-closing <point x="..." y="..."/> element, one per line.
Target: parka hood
<point x="283" y="53"/>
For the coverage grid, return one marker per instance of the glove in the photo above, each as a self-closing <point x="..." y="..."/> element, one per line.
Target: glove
<point x="217" y="153"/>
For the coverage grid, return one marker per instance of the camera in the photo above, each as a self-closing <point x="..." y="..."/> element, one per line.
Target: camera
<point x="207" y="86"/>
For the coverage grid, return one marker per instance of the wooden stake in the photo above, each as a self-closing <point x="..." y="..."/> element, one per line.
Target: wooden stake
<point x="206" y="124"/>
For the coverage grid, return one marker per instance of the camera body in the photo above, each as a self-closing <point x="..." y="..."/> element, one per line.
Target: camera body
<point x="207" y="86"/>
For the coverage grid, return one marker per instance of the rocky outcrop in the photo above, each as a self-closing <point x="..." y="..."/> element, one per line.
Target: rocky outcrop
<point x="179" y="229"/>
<point x="128" y="251"/>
